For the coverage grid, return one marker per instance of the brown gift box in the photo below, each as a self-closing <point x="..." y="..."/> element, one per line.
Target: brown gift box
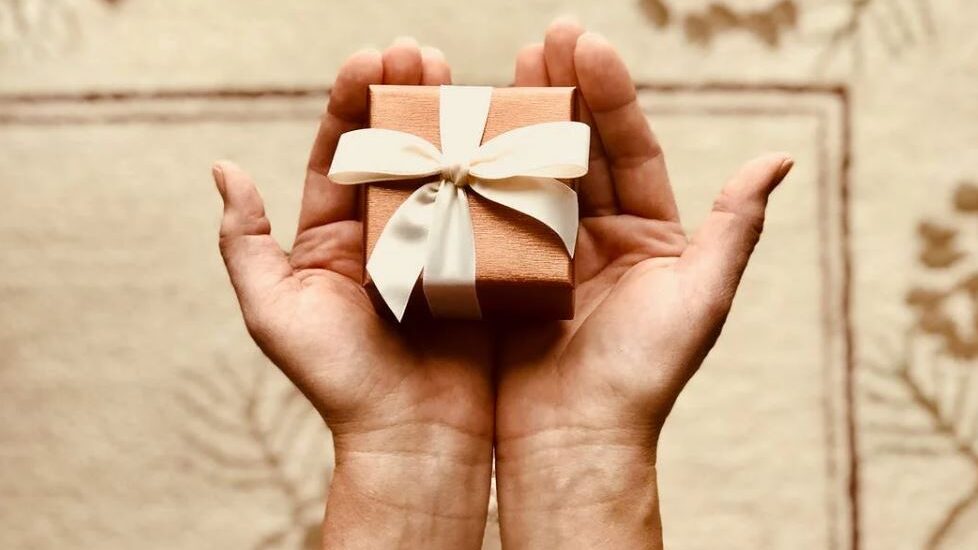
<point x="522" y="268"/>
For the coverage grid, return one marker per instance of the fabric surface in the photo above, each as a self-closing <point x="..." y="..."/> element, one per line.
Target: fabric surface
<point x="839" y="410"/>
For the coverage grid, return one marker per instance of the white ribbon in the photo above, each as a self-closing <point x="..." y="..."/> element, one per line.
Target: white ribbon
<point x="432" y="229"/>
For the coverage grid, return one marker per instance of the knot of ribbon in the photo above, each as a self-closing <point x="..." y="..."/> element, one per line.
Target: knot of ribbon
<point x="431" y="231"/>
<point x="457" y="174"/>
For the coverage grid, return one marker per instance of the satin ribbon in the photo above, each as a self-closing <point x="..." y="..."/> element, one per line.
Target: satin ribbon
<point x="432" y="229"/>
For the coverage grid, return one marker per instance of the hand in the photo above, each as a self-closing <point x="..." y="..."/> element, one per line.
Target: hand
<point x="410" y="408"/>
<point x="580" y="403"/>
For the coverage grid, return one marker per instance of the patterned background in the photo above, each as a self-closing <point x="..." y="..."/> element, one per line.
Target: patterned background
<point x="839" y="410"/>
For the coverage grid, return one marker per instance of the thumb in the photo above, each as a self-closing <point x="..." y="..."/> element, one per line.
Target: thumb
<point x="719" y="251"/>
<point x="254" y="261"/>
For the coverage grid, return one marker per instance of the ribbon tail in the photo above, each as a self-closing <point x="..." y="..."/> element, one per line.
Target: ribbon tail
<point x="400" y="251"/>
<point x="545" y="199"/>
<point x="449" y="269"/>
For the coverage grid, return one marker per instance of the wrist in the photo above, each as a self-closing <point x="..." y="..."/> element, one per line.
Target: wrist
<point x="576" y="488"/>
<point x="423" y="485"/>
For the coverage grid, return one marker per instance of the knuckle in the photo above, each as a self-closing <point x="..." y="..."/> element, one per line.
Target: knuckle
<point x="747" y="212"/>
<point x="235" y="230"/>
<point x="224" y="243"/>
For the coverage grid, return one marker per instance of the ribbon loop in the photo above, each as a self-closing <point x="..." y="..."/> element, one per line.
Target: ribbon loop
<point x="430" y="234"/>
<point x="558" y="150"/>
<point x="377" y="154"/>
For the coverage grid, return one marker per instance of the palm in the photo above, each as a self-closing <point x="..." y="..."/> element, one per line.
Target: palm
<point x="312" y="317"/>
<point x="351" y="362"/>
<point x="650" y="303"/>
<point x="585" y="377"/>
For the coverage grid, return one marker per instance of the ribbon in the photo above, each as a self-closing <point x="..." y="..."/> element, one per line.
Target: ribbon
<point x="432" y="229"/>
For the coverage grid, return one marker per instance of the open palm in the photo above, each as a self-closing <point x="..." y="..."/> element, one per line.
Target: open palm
<point x="398" y="392"/>
<point x="650" y="302"/>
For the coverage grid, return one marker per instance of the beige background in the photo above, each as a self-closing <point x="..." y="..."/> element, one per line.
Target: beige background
<point x="136" y="413"/>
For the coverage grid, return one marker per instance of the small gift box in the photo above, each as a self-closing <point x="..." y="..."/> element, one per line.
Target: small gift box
<point x="469" y="209"/>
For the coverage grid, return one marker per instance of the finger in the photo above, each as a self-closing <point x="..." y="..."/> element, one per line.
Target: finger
<point x="434" y="68"/>
<point x="531" y="67"/>
<point x="558" y="50"/>
<point x="634" y="155"/>
<point x="322" y="200"/>
<point x="254" y="261"/>
<point x="719" y="251"/>
<point x="596" y="190"/>
<point x="402" y="62"/>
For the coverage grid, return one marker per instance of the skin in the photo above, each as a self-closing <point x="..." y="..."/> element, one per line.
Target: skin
<point x="573" y="409"/>
<point x="580" y="404"/>
<point x="410" y="408"/>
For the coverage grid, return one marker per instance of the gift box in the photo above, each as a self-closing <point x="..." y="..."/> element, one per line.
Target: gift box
<point x="522" y="267"/>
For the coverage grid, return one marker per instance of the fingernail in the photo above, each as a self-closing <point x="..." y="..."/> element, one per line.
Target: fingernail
<point x="433" y="52"/>
<point x="367" y="50"/>
<point x="595" y="37"/>
<point x="218" y="174"/>
<point x="786" y="166"/>
<point x="405" y="41"/>
<point x="566" y="19"/>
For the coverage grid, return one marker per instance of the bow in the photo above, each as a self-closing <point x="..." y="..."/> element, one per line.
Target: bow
<point x="432" y="229"/>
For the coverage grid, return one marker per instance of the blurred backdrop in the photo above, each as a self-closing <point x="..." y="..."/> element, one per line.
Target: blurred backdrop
<point x="838" y="412"/>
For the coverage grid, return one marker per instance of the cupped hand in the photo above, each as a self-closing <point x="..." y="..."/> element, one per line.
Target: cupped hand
<point x="410" y="408"/>
<point x="580" y="403"/>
